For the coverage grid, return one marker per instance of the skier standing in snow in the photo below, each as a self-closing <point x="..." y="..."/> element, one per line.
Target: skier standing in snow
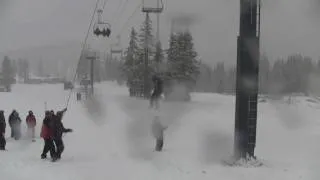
<point x="58" y="130"/>
<point x="31" y="124"/>
<point x="2" y="131"/>
<point x="11" y="120"/>
<point x="157" y="91"/>
<point x="47" y="135"/>
<point x="158" y="130"/>
<point x="15" y="125"/>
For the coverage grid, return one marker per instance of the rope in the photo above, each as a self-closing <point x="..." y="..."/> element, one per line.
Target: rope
<point x="82" y="50"/>
<point x="87" y="36"/>
<point x="120" y="10"/>
<point x="104" y="4"/>
<point x="124" y="25"/>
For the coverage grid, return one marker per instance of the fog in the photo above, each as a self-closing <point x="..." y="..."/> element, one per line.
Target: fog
<point x="288" y="26"/>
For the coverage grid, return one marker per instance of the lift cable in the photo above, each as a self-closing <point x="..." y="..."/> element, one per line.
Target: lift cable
<point x="129" y="18"/>
<point x="82" y="51"/>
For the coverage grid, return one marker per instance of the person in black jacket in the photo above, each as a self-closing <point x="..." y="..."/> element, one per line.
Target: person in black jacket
<point x="15" y="125"/>
<point x="58" y="130"/>
<point x="157" y="90"/>
<point x="10" y="120"/>
<point x="2" y="131"/>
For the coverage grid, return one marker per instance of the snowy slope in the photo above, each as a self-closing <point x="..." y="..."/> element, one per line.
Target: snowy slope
<point x="119" y="145"/>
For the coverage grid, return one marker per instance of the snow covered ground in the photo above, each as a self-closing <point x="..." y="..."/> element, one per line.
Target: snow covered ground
<point x="118" y="144"/>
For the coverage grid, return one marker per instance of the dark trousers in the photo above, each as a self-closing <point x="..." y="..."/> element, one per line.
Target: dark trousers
<point x="12" y="132"/>
<point x="2" y="142"/>
<point x="159" y="144"/>
<point x="16" y="132"/>
<point x="59" y="146"/>
<point x="155" y="96"/>
<point x="48" y="146"/>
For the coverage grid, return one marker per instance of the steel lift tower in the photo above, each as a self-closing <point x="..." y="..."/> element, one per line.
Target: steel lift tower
<point x="247" y="79"/>
<point x="156" y="10"/>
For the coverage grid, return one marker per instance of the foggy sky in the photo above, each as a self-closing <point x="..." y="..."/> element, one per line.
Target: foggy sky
<point x="288" y="26"/>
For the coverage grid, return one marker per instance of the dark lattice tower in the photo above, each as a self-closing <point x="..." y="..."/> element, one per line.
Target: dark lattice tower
<point x="247" y="79"/>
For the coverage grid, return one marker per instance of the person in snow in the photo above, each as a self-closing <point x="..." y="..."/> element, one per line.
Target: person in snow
<point x="15" y="125"/>
<point x="158" y="130"/>
<point x="2" y="131"/>
<point x="10" y="122"/>
<point x="58" y="130"/>
<point x="47" y="135"/>
<point x="31" y="124"/>
<point x="157" y="90"/>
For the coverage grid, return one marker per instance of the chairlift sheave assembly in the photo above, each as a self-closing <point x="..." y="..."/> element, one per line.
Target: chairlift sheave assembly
<point x="101" y="27"/>
<point x="147" y="9"/>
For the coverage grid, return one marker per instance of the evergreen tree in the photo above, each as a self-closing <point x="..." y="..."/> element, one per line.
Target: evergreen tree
<point x="7" y="72"/>
<point x="23" y="69"/>
<point x="131" y="57"/>
<point x="26" y="70"/>
<point x="205" y="81"/>
<point x="183" y="65"/>
<point x="219" y="74"/>
<point x="230" y="86"/>
<point x="97" y="72"/>
<point x="14" y="67"/>
<point x="40" y="68"/>
<point x="264" y="73"/>
<point x="20" y="68"/>
<point x="146" y="37"/>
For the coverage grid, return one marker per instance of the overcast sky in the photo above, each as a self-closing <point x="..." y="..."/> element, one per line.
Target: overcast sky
<point x="288" y="26"/>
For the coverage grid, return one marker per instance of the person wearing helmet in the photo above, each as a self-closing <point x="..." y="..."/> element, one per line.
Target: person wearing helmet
<point x="31" y="124"/>
<point x="2" y="131"/>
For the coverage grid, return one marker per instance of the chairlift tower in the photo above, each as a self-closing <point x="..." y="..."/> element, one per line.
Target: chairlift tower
<point x="92" y="58"/>
<point x="247" y="79"/>
<point x="147" y="10"/>
<point x="117" y="50"/>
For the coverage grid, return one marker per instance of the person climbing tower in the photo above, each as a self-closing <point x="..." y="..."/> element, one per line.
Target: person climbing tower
<point x="157" y="91"/>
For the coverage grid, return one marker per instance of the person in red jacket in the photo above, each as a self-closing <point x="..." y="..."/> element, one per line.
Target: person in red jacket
<point x="47" y="135"/>
<point x="31" y="124"/>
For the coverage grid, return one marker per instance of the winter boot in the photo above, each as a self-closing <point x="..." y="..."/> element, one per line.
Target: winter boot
<point x="43" y="156"/>
<point x="159" y="145"/>
<point x="55" y="158"/>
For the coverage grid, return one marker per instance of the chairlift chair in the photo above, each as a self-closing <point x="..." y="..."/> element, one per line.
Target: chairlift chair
<point x="100" y="27"/>
<point x="146" y="9"/>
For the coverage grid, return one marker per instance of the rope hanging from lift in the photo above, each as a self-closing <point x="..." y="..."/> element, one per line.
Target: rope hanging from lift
<point x="82" y="51"/>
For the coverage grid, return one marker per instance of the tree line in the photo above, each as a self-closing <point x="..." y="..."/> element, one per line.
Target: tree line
<point x="293" y="74"/>
<point x="10" y="69"/>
